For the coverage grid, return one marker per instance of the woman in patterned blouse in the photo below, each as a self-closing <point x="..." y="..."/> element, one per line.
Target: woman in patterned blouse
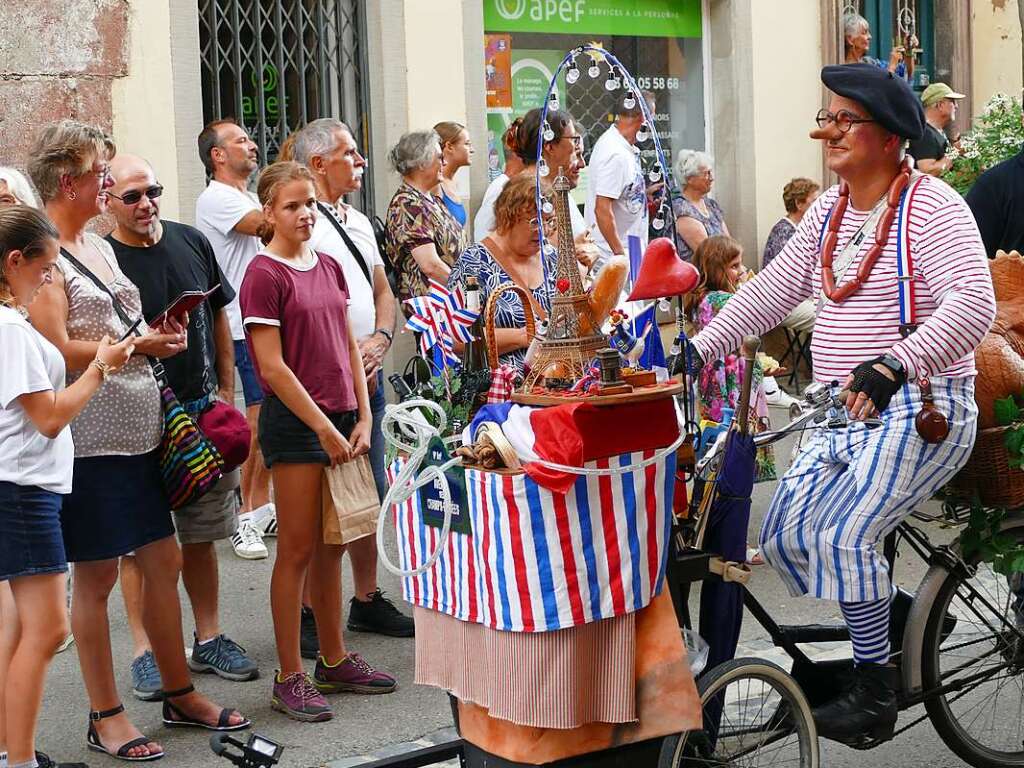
<point x="423" y="238"/>
<point x="797" y="196"/>
<point x="698" y="216"/>
<point x="510" y="254"/>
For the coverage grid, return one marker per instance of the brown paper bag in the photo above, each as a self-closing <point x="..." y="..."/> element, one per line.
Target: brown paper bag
<point x="350" y="504"/>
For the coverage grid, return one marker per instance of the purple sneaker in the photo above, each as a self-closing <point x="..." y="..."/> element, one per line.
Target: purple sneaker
<point x="353" y="674"/>
<point x="297" y="697"/>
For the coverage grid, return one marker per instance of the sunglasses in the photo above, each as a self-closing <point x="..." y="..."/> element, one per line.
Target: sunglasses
<point x="133" y="197"/>
<point x="843" y="119"/>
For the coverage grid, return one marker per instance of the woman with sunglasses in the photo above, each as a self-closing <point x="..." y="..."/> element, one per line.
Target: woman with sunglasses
<point x="564" y="150"/>
<point x="117" y="502"/>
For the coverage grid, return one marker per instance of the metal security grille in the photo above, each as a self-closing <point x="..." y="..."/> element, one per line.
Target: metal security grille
<point x="275" y="65"/>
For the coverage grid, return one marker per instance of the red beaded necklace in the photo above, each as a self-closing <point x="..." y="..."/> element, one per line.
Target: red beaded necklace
<point x="828" y="246"/>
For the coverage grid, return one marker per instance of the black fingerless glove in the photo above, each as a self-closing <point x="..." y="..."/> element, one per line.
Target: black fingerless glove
<point x="877" y="386"/>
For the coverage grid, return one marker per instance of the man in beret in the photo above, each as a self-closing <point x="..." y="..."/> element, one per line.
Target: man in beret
<point x="848" y="488"/>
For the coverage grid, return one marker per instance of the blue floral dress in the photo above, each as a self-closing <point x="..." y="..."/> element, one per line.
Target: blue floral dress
<point x="477" y="260"/>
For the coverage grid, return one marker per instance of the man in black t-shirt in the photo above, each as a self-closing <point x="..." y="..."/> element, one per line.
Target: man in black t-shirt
<point x="929" y="152"/>
<point x="165" y="259"/>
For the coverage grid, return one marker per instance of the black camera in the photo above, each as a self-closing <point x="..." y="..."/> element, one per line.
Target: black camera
<point x="257" y="752"/>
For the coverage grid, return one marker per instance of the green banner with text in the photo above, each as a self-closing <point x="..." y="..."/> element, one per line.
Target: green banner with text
<point x="637" y="18"/>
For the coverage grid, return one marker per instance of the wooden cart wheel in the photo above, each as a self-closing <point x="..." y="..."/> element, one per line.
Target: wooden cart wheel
<point x="492" y="308"/>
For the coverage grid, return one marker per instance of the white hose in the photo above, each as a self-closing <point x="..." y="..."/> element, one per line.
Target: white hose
<point x="406" y="430"/>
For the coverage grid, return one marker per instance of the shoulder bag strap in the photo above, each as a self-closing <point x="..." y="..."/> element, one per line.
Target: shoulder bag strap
<point x="356" y="253"/>
<point x="158" y="369"/>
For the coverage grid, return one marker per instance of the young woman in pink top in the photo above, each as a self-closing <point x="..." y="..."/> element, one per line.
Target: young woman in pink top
<point x="315" y="414"/>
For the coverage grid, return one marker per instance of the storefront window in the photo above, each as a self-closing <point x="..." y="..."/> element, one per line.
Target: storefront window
<point x="659" y="42"/>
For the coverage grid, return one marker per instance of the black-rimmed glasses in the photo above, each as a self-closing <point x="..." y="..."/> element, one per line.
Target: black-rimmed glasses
<point x="133" y="197"/>
<point x="844" y="119"/>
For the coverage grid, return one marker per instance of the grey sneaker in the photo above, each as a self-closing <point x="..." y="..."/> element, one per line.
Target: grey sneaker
<point x="225" y="658"/>
<point x="146" y="682"/>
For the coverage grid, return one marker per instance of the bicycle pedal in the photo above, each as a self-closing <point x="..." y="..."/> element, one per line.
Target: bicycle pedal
<point x="876" y="736"/>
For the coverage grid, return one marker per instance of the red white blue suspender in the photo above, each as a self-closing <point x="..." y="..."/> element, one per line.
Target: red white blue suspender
<point x="905" y="263"/>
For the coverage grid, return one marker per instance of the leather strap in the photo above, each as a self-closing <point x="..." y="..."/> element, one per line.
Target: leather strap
<point x="356" y="254"/>
<point x="180" y="692"/>
<point x="102" y="714"/>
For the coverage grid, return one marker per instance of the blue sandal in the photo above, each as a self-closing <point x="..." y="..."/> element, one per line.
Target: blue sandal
<point x="175" y="718"/>
<point x="92" y="739"/>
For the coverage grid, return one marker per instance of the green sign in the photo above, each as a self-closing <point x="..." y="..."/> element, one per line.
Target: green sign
<point x="430" y="495"/>
<point x="636" y="18"/>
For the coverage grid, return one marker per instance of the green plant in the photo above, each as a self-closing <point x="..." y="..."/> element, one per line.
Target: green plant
<point x="994" y="136"/>
<point x="983" y="537"/>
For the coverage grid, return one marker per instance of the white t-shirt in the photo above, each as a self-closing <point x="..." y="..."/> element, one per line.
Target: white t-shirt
<point x="362" y="313"/>
<point x="615" y="172"/>
<point x="218" y="209"/>
<point x="483" y="222"/>
<point x="31" y="364"/>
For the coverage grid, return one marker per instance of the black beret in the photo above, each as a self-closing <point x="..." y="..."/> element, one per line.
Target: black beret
<point x="887" y="97"/>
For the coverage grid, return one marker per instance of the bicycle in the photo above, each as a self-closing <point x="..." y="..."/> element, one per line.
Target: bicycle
<point x="959" y="643"/>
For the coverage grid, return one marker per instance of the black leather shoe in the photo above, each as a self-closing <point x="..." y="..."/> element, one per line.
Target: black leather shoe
<point x="309" y="642"/>
<point x="865" y="713"/>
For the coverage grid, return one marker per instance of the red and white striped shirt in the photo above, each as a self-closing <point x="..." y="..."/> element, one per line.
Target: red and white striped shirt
<point x="955" y="303"/>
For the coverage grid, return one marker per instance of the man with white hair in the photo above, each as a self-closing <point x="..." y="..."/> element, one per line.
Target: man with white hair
<point x="329" y="150"/>
<point x="616" y="192"/>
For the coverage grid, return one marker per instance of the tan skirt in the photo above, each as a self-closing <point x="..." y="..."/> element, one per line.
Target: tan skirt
<point x="561" y="679"/>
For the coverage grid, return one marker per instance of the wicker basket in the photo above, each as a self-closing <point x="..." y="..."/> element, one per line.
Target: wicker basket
<point x="492" y="308"/>
<point x="988" y="473"/>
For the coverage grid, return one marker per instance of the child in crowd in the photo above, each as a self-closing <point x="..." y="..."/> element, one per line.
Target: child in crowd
<point x="315" y="414"/>
<point x="36" y="461"/>
<point x="720" y="262"/>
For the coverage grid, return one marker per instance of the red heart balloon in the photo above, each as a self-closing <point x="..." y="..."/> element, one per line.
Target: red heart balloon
<point x="663" y="273"/>
<point x="562" y="284"/>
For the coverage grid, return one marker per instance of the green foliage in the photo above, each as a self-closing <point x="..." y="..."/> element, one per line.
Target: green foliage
<point x="994" y="136"/>
<point x="982" y="538"/>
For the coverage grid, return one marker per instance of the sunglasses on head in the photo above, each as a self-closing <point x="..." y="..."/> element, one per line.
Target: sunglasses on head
<point x="131" y="198"/>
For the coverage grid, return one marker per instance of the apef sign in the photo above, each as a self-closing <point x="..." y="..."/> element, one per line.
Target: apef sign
<point x="636" y="18"/>
<point x="431" y="500"/>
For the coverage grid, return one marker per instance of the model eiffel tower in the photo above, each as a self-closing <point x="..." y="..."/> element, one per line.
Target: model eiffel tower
<point x="573" y="336"/>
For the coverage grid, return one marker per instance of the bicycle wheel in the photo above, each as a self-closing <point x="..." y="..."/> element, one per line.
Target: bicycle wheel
<point x="981" y="719"/>
<point x="754" y="715"/>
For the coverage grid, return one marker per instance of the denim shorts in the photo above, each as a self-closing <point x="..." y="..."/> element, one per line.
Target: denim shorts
<point x="30" y="535"/>
<point x="251" y="389"/>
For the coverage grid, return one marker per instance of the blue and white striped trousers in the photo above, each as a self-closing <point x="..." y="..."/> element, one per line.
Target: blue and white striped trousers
<point x="849" y="488"/>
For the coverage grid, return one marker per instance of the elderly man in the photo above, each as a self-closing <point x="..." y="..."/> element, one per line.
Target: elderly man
<point x="617" y="194"/>
<point x="232" y="219"/>
<point x="939" y="101"/>
<point x="164" y="259"/>
<point x="848" y="488"/>
<point x="329" y="150"/>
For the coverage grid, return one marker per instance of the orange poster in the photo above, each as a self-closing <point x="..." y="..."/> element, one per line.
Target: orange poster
<point x="498" y="71"/>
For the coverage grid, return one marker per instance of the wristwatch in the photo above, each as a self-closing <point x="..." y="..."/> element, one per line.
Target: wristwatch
<point x="386" y="334"/>
<point x="893" y="363"/>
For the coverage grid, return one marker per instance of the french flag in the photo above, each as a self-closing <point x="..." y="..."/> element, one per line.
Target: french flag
<point x="576" y="433"/>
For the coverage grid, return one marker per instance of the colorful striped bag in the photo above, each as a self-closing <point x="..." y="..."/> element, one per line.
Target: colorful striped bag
<point x="190" y="464"/>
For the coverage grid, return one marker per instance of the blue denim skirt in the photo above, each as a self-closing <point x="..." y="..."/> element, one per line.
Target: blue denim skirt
<point x="117" y="505"/>
<point x="30" y="536"/>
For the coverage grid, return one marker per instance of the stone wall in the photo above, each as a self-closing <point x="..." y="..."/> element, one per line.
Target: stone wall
<point x="61" y="60"/>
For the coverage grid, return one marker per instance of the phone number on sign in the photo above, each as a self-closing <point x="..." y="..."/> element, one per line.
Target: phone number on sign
<point x="658" y="83"/>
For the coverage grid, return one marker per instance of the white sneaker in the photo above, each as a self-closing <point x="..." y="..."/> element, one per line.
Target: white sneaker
<point x="781" y="399"/>
<point x="248" y="543"/>
<point x="267" y="524"/>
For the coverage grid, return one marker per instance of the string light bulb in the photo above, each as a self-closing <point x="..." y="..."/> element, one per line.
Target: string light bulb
<point x="549" y="133"/>
<point x="594" y="71"/>
<point x="572" y="74"/>
<point x="553" y="100"/>
<point x="542" y="168"/>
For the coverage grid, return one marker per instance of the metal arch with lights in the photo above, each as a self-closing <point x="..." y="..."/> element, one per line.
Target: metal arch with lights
<point x="618" y="75"/>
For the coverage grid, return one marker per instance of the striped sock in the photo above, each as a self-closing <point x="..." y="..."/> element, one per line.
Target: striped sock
<point x="868" y="623"/>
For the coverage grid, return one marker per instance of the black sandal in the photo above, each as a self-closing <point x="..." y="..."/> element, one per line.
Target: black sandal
<point x="92" y="739"/>
<point x="184" y="721"/>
